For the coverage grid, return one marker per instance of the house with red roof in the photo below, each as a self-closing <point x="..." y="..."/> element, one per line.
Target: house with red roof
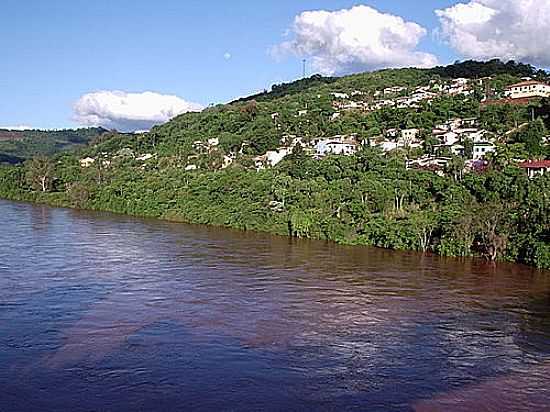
<point x="536" y="167"/>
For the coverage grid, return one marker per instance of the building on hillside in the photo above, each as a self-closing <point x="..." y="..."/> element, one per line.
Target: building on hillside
<point x="145" y="157"/>
<point x="436" y="164"/>
<point x="409" y="136"/>
<point x="527" y="89"/>
<point x="455" y="149"/>
<point x="227" y="161"/>
<point x="536" y="167"/>
<point x="337" y="146"/>
<point x="482" y="149"/>
<point x="274" y="157"/>
<point x="337" y="95"/>
<point x="449" y="138"/>
<point x="87" y="162"/>
<point x="394" y="90"/>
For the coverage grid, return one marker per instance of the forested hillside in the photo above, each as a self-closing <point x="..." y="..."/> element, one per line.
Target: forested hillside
<point x="262" y="164"/>
<point x="16" y="146"/>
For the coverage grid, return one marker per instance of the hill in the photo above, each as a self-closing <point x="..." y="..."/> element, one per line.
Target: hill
<point x="16" y="146"/>
<point x="405" y="159"/>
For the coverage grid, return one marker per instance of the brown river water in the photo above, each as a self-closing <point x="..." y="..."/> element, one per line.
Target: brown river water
<point x="100" y="312"/>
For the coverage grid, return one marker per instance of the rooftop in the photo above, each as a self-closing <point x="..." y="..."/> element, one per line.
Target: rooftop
<point x="535" y="164"/>
<point x="526" y="83"/>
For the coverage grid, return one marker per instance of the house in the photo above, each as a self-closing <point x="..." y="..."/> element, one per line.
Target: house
<point x="337" y="145"/>
<point x="87" y="162"/>
<point x="394" y="90"/>
<point x="455" y="149"/>
<point x="409" y="135"/>
<point x="436" y="164"/>
<point x="449" y="138"/>
<point x="482" y="149"/>
<point x="340" y="95"/>
<point x="190" y="167"/>
<point x="536" y="167"/>
<point x="386" y="145"/>
<point x="527" y="89"/>
<point x="145" y="157"/>
<point x="260" y="161"/>
<point x="214" y="141"/>
<point x="227" y="161"/>
<point x="273" y="157"/>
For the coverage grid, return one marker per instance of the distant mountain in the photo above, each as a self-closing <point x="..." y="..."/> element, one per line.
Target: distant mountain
<point x="19" y="145"/>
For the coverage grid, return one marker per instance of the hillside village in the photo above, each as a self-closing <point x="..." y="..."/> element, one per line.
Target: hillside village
<point x="432" y="149"/>
<point x="447" y="160"/>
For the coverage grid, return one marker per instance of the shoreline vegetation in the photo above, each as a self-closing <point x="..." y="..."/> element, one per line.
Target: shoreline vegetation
<point x="214" y="168"/>
<point x="456" y="224"/>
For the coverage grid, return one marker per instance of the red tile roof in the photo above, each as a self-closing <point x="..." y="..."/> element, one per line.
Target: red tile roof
<point x="535" y="164"/>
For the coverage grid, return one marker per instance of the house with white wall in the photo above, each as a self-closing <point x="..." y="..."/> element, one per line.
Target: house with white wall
<point x="482" y="149"/>
<point x="527" y="89"/>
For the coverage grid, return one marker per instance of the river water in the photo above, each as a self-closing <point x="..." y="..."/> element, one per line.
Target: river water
<point x="106" y="313"/>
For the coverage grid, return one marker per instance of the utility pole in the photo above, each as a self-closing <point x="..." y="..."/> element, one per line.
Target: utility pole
<point x="304" y="62"/>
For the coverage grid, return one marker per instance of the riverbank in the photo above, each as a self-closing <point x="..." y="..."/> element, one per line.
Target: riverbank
<point x="246" y="201"/>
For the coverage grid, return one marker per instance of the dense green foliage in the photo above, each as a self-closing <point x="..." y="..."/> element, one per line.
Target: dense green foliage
<point x="16" y="146"/>
<point x="366" y="199"/>
<point x="476" y="69"/>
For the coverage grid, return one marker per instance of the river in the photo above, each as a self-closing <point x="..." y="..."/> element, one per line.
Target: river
<point x="110" y="313"/>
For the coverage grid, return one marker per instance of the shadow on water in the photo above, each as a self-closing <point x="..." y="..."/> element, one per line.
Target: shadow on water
<point x="105" y="312"/>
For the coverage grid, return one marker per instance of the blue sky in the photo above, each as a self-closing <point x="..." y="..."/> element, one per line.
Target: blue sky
<point x="53" y="52"/>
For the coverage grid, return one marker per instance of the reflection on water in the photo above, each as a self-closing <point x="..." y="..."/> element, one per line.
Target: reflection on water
<point x="102" y="312"/>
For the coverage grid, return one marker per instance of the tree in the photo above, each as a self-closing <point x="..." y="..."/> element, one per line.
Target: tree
<point x="40" y="173"/>
<point x="533" y="138"/>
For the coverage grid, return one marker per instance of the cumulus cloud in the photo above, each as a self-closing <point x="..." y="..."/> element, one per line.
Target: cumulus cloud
<point x="129" y="111"/>
<point x="505" y="29"/>
<point x="356" y="39"/>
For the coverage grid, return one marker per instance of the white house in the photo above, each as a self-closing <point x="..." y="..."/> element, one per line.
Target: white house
<point x="388" y="146"/>
<point x="340" y="95"/>
<point x="227" y="161"/>
<point x="449" y="138"/>
<point x="482" y="149"/>
<point x="337" y="146"/>
<point x="145" y="157"/>
<point x="87" y="162"/>
<point x="409" y="135"/>
<point x="428" y="161"/>
<point x="527" y="89"/>
<point x="273" y="157"/>
<point x="394" y="90"/>
<point x="214" y="141"/>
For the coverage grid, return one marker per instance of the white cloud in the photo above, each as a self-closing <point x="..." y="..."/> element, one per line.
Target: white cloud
<point x="505" y="29"/>
<point x="129" y="111"/>
<point x="356" y="39"/>
<point x="227" y="56"/>
<point x="17" y="128"/>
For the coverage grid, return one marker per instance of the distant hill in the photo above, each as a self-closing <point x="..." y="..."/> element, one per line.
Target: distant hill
<point x="17" y="146"/>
